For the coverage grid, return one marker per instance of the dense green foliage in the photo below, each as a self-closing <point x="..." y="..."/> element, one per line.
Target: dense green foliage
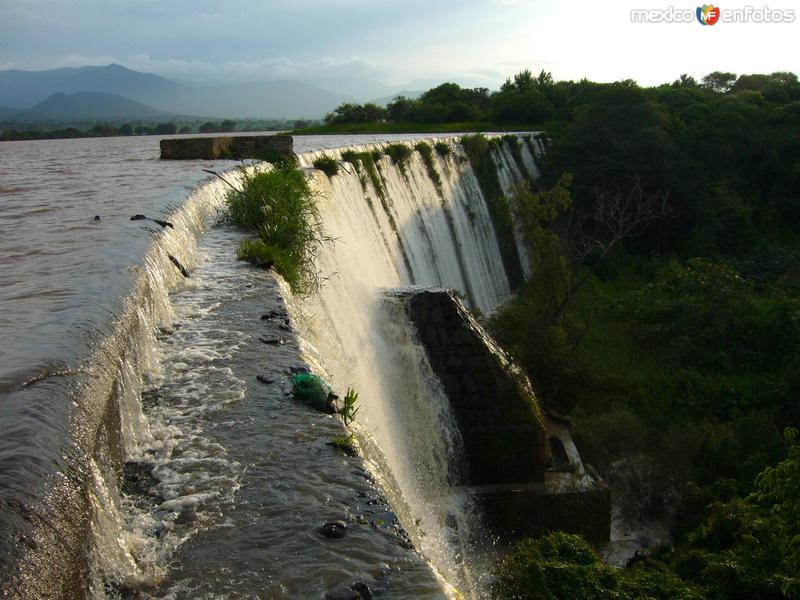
<point x="399" y="153"/>
<point x="663" y="311"/>
<point x="328" y="165"/>
<point x="426" y="152"/>
<point x="278" y="207"/>
<point x="561" y="566"/>
<point x="738" y="550"/>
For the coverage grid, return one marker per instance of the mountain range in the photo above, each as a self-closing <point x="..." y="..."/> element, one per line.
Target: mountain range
<point x="116" y="92"/>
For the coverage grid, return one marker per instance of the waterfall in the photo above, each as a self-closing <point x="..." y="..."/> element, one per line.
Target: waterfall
<point x="81" y="536"/>
<point x="408" y="233"/>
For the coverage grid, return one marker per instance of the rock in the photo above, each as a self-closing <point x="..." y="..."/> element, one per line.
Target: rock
<point x="343" y="593"/>
<point x="273" y="314"/>
<point x="333" y="529"/>
<point x="138" y="478"/>
<point x="272" y="341"/>
<point x="97" y="218"/>
<point x="363" y="590"/>
<point x="264" y="380"/>
<point x="299" y="369"/>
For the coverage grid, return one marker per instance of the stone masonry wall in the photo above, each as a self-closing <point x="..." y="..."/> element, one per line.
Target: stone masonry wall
<point x="493" y="402"/>
<point x="233" y="147"/>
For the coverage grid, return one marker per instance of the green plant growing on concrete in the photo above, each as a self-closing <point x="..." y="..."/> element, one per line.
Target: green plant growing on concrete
<point x="443" y="149"/>
<point x="276" y="158"/>
<point x="514" y="146"/>
<point x="279" y="209"/>
<point x="376" y="155"/>
<point x="426" y="152"/>
<point x="351" y="156"/>
<point x="399" y="153"/>
<point x="346" y="443"/>
<point x="479" y="152"/>
<point x="327" y="164"/>
<point x="349" y="409"/>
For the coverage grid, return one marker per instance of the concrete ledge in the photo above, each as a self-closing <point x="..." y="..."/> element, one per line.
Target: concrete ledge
<point x="515" y="511"/>
<point x="265" y="147"/>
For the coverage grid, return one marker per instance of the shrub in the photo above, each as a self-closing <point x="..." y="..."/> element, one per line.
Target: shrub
<point x="443" y="149"/>
<point x="351" y="156"/>
<point x="426" y="152"/>
<point x="514" y="146"/>
<point x="328" y="165"/>
<point x="555" y="566"/>
<point x="280" y="209"/>
<point x="399" y="153"/>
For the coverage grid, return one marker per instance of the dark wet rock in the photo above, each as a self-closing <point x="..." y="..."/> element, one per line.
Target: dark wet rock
<point x="363" y="590"/>
<point x="263" y="264"/>
<point x="346" y="449"/>
<point x="187" y="516"/>
<point x="343" y="593"/>
<point x="276" y="341"/>
<point x="333" y="529"/>
<point x="285" y="327"/>
<point x="97" y="218"/>
<point x="178" y="265"/>
<point x="274" y="314"/>
<point x="265" y="380"/>
<point x="137" y="478"/>
<point x="299" y="369"/>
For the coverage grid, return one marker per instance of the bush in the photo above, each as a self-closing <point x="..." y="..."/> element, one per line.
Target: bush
<point x="426" y="152"/>
<point x="328" y="165"/>
<point x="443" y="149"/>
<point x="280" y="209"/>
<point x="556" y="566"/>
<point x="562" y="566"/>
<point x="399" y="153"/>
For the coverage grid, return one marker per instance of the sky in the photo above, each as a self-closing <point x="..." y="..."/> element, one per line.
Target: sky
<point x="479" y="41"/>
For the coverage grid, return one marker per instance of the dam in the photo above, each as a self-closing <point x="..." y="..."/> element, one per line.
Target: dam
<point x="170" y="460"/>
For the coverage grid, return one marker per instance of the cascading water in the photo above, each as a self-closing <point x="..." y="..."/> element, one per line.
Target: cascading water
<point x="408" y="232"/>
<point x="164" y="435"/>
<point x="75" y="511"/>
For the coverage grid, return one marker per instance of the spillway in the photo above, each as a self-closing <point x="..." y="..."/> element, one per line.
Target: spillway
<point x="172" y="461"/>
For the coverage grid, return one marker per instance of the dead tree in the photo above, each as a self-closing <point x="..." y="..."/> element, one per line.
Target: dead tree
<point x="614" y="217"/>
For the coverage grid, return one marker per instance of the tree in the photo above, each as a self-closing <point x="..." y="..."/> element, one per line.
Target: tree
<point x="685" y="81"/>
<point x="166" y="129"/>
<point x="401" y="108"/>
<point x="779" y="488"/>
<point x="719" y="81"/>
<point x="355" y="113"/>
<point x="227" y="125"/>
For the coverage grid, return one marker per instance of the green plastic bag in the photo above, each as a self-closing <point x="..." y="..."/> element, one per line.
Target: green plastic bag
<point x="312" y="389"/>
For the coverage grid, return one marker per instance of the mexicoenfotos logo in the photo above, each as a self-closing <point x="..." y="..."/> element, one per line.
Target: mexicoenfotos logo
<point x="708" y="14"/>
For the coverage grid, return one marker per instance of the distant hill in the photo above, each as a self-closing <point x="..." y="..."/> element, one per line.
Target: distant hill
<point x="21" y="90"/>
<point x="408" y="94"/>
<point x="274" y="99"/>
<point x="87" y="106"/>
<point x="6" y="113"/>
